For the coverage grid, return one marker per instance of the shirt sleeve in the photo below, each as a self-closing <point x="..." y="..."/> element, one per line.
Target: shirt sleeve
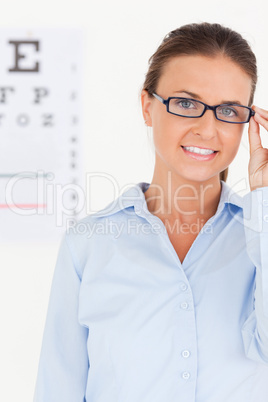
<point x="255" y="328"/>
<point x="63" y="361"/>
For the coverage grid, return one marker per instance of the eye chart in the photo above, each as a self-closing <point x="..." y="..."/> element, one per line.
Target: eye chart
<point x="41" y="161"/>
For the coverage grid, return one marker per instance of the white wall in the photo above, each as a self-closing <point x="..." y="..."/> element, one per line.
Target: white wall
<point x="120" y="36"/>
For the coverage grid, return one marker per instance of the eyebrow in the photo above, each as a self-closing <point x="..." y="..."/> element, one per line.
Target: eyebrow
<point x="196" y="96"/>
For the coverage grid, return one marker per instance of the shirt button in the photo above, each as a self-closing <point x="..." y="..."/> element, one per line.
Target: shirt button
<point x="184" y="305"/>
<point x="265" y="218"/>
<point x="185" y="375"/>
<point x="184" y="287"/>
<point x="265" y="203"/>
<point x="185" y="353"/>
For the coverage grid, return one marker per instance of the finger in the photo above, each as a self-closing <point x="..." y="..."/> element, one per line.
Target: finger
<point x="261" y="120"/>
<point x="254" y="136"/>
<point x="260" y="111"/>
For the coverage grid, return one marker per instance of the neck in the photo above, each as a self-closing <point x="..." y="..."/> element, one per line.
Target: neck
<point x="172" y="197"/>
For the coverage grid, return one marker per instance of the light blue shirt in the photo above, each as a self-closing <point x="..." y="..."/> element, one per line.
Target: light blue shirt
<point x="127" y="322"/>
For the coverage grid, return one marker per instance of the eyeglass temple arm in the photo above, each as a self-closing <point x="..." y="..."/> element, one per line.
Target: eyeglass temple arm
<point x="159" y="98"/>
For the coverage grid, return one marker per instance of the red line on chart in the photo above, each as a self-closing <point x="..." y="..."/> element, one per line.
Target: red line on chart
<point x="23" y="206"/>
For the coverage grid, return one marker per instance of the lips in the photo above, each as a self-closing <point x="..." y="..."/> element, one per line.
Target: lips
<point x="200" y="157"/>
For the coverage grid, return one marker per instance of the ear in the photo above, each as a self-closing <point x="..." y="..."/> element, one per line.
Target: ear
<point x="146" y="102"/>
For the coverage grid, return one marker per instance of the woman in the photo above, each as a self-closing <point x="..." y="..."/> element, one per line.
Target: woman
<point x="164" y="296"/>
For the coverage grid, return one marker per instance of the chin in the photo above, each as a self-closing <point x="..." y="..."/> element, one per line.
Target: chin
<point x="197" y="176"/>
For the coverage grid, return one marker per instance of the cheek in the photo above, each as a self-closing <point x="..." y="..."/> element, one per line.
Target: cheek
<point x="169" y="129"/>
<point x="232" y="143"/>
<point x="167" y="139"/>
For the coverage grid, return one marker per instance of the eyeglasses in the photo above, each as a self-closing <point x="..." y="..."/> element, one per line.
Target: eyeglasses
<point x="227" y="112"/>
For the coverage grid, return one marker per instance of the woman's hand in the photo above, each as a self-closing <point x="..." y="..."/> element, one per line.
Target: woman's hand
<point x="258" y="163"/>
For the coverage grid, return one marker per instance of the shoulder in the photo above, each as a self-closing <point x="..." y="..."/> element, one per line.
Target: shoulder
<point x="94" y="235"/>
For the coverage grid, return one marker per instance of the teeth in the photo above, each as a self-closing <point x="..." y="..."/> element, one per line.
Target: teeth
<point x="199" y="150"/>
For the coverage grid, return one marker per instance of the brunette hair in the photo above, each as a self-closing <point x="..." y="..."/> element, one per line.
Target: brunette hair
<point x="202" y="39"/>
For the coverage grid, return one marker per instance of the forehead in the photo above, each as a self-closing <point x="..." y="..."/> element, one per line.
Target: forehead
<point x="212" y="78"/>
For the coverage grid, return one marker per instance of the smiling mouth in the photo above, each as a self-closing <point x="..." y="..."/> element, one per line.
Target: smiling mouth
<point x="198" y="151"/>
<point x="199" y="154"/>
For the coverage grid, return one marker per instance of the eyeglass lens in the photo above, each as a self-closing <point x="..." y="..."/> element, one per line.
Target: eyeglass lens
<point x="190" y="108"/>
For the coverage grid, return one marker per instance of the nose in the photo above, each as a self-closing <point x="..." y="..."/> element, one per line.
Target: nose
<point x="206" y="125"/>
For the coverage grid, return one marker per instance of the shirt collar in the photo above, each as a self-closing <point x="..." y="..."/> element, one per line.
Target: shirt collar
<point x="134" y="197"/>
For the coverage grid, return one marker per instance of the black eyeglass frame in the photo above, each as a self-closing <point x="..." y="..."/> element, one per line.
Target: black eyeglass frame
<point x="207" y="107"/>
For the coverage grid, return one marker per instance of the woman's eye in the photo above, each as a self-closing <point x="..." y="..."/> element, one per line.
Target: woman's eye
<point x="185" y="104"/>
<point x="228" y="111"/>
